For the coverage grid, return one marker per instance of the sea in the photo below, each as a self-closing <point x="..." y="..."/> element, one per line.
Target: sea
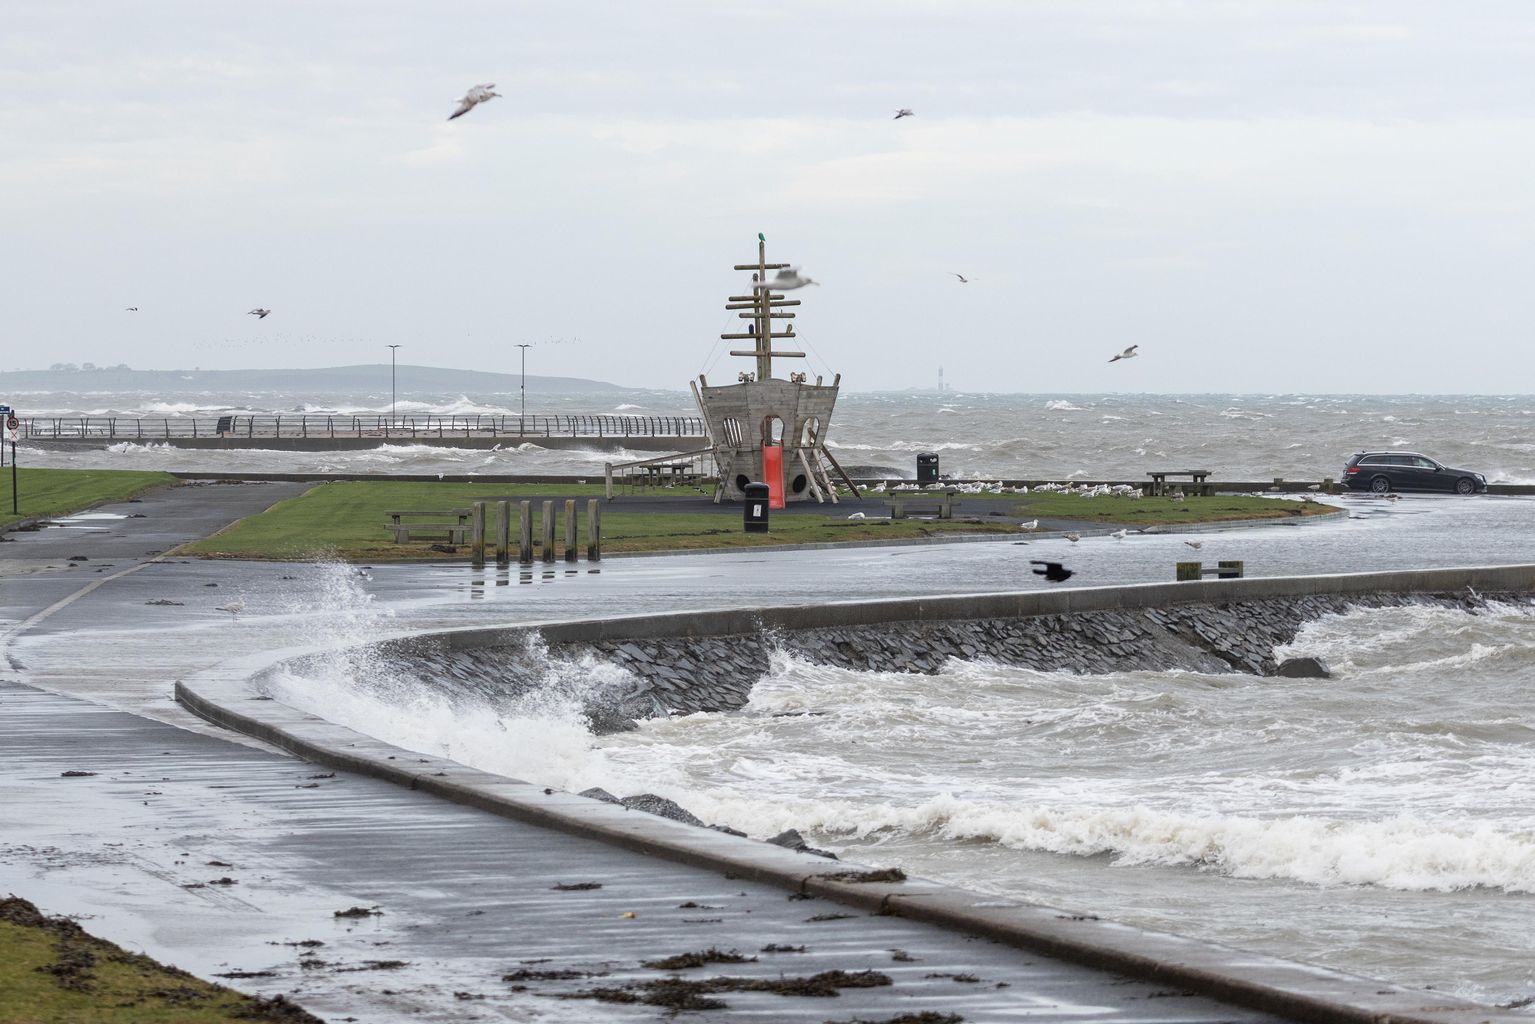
<point x="1381" y="822"/>
<point x="975" y="436"/>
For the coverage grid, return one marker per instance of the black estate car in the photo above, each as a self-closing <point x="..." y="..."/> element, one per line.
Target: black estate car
<point x="1407" y="471"/>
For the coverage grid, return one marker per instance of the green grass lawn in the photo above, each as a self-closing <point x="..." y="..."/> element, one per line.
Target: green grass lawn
<point x="349" y="520"/>
<point x="52" y="972"/>
<point x="57" y="492"/>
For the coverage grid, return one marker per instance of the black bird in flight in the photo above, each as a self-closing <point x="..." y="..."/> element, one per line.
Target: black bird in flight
<point x="1055" y="572"/>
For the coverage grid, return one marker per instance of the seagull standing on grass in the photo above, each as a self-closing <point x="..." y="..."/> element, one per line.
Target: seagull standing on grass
<point x="904" y="112"/>
<point x="1031" y="526"/>
<point x="785" y="281"/>
<point x="1128" y="353"/>
<point x="481" y="93"/>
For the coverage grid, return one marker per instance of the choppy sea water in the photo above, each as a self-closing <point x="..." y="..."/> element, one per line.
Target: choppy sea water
<point x="1253" y="437"/>
<point x="1381" y="822"/>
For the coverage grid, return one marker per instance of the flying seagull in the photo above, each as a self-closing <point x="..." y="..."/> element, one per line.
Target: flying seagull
<point x="133" y="309"/>
<point x="1128" y="353"/>
<point x="473" y="98"/>
<point x="785" y="281"/>
<point x="962" y="278"/>
<point x="1055" y="572"/>
<point x="903" y="112"/>
<point x="259" y="313"/>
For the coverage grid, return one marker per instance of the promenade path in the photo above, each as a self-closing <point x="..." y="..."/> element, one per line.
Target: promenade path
<point x="467" y="897"/>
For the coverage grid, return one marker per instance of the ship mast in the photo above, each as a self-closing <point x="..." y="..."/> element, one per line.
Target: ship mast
<point x="761" y="308"/>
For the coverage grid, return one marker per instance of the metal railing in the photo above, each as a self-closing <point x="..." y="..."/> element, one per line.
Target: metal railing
<point x="118" y="428"/>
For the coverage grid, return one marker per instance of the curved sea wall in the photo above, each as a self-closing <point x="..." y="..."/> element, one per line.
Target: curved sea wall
<point x="709" y="661"/>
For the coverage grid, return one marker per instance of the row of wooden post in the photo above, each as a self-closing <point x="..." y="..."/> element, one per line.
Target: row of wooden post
<point x="525" y="532"/>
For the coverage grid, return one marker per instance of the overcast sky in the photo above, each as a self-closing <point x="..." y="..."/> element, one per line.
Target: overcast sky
<point x="1266" y="196"/>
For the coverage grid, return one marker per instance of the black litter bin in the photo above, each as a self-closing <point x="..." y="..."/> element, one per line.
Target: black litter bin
<point x="927" y="468"/>
<point x="755" y="511"/>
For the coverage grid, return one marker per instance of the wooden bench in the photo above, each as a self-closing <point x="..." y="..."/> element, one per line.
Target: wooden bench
<point x="941" y="505"/>
<point x="1199" y="485"/>
<point x="456" y="531"/>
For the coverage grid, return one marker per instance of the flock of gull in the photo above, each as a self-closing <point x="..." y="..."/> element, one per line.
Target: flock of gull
<point x="784" y="280"/>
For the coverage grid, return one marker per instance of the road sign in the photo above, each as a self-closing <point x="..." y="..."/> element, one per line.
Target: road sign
<point x="12" y="424"/>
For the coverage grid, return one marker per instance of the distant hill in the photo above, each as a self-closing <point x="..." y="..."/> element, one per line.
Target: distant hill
<point x="331" y="378"/>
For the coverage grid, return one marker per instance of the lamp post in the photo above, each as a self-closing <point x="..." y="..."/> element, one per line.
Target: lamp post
<point x="523" y="387"/>
<point x="391" y="383"/>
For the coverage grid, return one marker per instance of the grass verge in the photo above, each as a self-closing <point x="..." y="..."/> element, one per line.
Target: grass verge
<point x="348" y="519"/>
<point x="57" y="492"/>
<point x="53" y="972"/>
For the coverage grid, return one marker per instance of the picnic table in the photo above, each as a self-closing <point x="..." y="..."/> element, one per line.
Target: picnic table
<point x="405" y="532"/>
<point x="1198" y="485"/>
<point x="669" y="474"/>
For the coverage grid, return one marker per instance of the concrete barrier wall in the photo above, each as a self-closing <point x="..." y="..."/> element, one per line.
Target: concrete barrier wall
<point x="1490" y="579"/>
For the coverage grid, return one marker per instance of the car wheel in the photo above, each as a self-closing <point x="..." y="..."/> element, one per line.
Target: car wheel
<point x="1380" y="485"/>
<point x="1464" y="486"/>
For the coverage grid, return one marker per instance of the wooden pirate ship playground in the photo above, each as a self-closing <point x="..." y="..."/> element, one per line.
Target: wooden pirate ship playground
<point x="761" y="429"/>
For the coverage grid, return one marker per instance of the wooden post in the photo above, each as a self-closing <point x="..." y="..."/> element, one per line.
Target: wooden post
<point x="1228" y="569"/>
<point x="1327" y="485"/>
<point x="593" y="531"/>
<point x="571" y="552"/>
<point x="1190" y="571"/>
<point x="503" y="532"/>
<point x="607" y="480"/>
<point x="525" y="533"/>
<point x="548" y="518"/>
<point x="477" y="533"/>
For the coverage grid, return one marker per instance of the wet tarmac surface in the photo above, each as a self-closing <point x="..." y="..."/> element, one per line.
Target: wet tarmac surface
<point x="121" y="636"/>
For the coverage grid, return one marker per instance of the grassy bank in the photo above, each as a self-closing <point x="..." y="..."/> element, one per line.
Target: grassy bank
<point x="348" y="519"/>
<point x="53" y="972"/>
<point x="57" y="492"/>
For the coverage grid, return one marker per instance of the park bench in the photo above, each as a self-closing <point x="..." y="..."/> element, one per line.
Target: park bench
<point x="405" y="532"/>
<point x="1199" y="482"/>
<point x="940" y="505"/>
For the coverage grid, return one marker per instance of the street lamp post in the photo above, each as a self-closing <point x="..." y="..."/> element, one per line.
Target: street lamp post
<point x="391" y="384"/>
<point x="523" y="387"/>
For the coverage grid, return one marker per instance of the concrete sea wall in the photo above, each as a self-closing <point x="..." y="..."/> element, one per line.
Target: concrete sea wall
<point x="710" y="661"/>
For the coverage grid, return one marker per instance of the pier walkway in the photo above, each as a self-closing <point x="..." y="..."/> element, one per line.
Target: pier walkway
<point x="308" y="432"/>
